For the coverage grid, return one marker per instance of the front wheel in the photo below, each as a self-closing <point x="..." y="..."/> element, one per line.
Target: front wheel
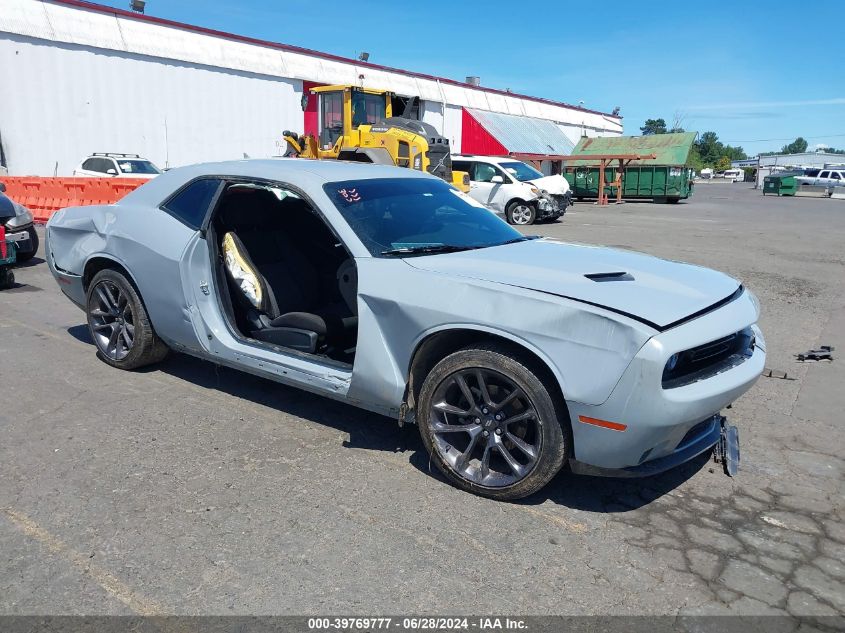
<point x="521" y="213"/>
<point x="118" y="323"/>
<point x="491" y="424"/>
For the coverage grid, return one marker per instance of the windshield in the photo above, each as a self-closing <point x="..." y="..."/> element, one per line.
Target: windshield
<point x="521" y="171"/>
<point x="138" y="167"/>
<point x="391" y="215"/>
<point x="367" y="108"/>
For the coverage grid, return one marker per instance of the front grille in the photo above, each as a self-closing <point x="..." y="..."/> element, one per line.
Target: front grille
<point x="709" y="359"/>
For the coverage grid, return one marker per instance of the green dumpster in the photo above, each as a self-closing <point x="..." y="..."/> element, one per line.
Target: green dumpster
<point x="664" y="179"/>
<point x="781" y="185"/>
<point x="660" y="183"/>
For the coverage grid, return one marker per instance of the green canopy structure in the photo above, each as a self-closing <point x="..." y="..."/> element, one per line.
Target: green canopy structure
<point x="671" y="149"/>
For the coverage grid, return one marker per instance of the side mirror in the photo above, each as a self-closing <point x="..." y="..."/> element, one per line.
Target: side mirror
<point x="304" y="101"/>
<point x="112" y="172"/>
<point x="497" y="180"/>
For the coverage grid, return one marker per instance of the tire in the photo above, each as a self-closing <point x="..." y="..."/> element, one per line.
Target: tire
<point x="538" y="421"/>
<point x="119" y="324"/>
<point x="520" y="213"/>
<point x="7" y="278"/>
<point x="33" y="240"/>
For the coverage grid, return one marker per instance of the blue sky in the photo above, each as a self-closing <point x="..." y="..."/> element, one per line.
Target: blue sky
<point x="757" y="74"/>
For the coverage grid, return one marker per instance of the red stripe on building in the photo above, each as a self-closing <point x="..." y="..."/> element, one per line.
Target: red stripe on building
<point x="310" y="123"/>
<point x="477" y="140"/>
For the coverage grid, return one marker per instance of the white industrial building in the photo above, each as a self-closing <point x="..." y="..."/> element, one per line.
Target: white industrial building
<point x="765" y="165"/>
<point x="806" y="160"/>
<point x="80" y="78"/>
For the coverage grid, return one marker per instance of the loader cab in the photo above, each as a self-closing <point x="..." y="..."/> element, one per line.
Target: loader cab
<point x="343" y="109"/>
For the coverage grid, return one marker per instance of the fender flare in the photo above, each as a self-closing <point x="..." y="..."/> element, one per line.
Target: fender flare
<point x="484" y="329"/>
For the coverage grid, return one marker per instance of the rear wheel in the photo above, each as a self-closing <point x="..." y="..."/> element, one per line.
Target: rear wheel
<point x="491" y="425"/>
<point x="521" y="213"/>
<point x="118" y="323"/>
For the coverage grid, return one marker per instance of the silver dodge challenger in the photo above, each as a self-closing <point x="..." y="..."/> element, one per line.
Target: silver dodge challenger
<point x="390" y="290"/>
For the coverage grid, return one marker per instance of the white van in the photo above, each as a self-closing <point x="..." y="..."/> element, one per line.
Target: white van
<point x="734" y="175"/>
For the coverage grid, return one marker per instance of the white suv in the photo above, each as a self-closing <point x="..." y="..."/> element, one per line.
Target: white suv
<point x="116" y="166"/>
<point x="511" y="188"/>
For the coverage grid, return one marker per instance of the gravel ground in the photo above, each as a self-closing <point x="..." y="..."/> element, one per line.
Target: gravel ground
<point x="190" y="489"/>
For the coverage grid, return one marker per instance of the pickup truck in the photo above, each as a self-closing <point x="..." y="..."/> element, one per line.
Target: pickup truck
<point x="822" y="177"/>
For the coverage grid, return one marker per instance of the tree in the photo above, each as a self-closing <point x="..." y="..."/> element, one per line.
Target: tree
<point x="735" y="153"/>
<point x="723" y="163"/>
<point x="677" y="122"/>
<point x="710" y="149"/>
<point x="694" y="160"/>
<point x="798" y="146"/>
<point x="653" y="126"/>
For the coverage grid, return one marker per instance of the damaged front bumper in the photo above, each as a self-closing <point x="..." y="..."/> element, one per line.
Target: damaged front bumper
<point x="551" y="207"/>
<point x="647" y="426"/>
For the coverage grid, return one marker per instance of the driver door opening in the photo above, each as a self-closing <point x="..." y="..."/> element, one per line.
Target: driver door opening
<point x="285" y="279"/>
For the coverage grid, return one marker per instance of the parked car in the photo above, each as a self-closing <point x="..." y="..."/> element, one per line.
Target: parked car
<point x="734" y="175"/>
<point x="513" y="189"/>
<point x="388" y="289"/>
<point x="18" y="222"/>
<point x="116" y="166"/>
<point x="823" y="178"/>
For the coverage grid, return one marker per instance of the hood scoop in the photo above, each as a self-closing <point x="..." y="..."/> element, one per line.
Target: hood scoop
<point x="617" y="276"/>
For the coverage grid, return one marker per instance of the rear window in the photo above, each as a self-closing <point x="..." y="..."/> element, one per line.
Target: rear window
<point x="191" y="203"/>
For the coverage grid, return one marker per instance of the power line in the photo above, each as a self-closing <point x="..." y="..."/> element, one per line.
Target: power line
<point x="791" y="138"/>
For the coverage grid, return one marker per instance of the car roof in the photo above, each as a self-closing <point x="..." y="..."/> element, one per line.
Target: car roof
<point x="496" y="160"/>
<point x="303" y="173"/>
<point x="116" y="155"/>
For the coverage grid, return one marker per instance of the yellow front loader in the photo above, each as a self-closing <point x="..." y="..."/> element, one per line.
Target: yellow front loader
<point x="358" y="124"/>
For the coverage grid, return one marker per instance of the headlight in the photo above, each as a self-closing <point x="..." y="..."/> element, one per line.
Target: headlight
<point x="672" y="362"/>
<point x="23" y="218"/>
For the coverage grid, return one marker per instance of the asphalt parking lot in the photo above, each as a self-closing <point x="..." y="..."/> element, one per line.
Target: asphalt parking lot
<point x="192" y="489"/>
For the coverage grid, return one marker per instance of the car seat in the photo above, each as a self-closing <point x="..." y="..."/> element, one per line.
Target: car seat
<point x="274" y="280"/>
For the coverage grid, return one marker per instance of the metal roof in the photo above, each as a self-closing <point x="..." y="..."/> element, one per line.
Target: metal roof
<point x="524" y="135"/>
<point x="804" y="159"/>
<point x="671" y="149"/>
<point x="376" y="69"/>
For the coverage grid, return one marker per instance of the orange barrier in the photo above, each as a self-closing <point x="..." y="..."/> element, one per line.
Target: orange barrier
<point x="45" y="196"/>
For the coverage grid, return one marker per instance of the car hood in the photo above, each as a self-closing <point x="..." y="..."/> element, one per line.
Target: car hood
<point x="555" y="185"/>
<point x="655" y="291"/>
